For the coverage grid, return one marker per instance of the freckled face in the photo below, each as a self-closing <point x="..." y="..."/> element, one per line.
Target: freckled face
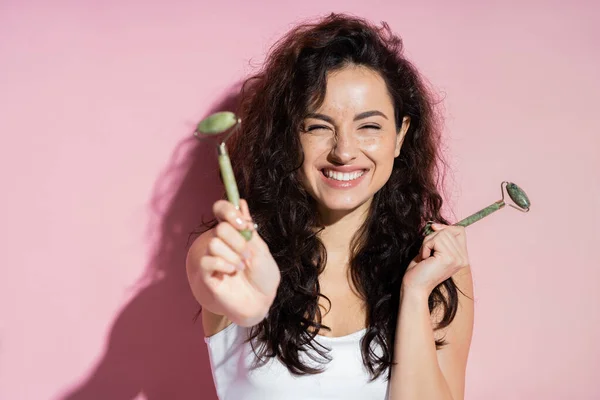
<point x="350" y="141"/>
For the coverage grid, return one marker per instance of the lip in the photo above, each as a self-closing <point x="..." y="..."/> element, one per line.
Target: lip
<point x="343" y="184"/>
<point x="344" y="168"/>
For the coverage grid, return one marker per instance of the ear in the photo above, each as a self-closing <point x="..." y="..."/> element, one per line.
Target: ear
<point x="401" y="134"/>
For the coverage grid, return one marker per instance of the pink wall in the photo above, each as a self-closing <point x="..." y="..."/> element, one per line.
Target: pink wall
<point x="101" y="182"/>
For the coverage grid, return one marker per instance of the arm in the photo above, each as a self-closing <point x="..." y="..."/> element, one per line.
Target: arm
<point x="421" y="371"/>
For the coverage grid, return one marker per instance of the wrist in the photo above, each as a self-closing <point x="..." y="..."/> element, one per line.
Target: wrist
<point x="414" y="292"/>
<point x="249" y="321"/>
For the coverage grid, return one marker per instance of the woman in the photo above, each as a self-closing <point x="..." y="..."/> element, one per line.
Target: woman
<point x="337" y="295"/>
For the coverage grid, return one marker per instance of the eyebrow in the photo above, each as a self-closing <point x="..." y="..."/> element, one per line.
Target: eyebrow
<point x="362" y="115"/>
<point x="368" y="114"/>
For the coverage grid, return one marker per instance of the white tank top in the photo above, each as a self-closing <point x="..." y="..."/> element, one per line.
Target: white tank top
<point x="344" y="377"/>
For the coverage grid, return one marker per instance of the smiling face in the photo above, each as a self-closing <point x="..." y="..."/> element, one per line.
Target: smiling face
<point x="350" y="141"/>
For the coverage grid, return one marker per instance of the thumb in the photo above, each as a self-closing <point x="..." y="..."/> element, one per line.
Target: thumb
<point x="245" y="210"/>
<point x="248" y="218"/>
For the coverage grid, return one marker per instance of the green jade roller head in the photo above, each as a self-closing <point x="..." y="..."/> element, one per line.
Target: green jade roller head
<point x="212" y="126"/>
<point x="516" y="194"/>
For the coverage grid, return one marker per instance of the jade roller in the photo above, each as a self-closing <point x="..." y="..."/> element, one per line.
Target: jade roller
<point x="514" y="192"/>
<point x="214" y="125"/>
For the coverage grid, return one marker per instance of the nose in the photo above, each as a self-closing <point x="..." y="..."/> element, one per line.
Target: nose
<point x="345" y="148"/>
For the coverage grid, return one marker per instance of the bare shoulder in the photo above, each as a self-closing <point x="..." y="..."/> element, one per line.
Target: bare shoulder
<point x="212" y="322"/>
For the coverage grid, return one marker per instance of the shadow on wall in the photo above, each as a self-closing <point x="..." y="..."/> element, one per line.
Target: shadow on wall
<point x="155" y="350"/>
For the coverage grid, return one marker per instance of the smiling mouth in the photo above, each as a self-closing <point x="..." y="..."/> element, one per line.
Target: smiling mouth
<point x="342" y="176"/>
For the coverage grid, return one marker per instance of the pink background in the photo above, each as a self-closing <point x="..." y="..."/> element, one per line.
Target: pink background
<point x="101" y="182"/>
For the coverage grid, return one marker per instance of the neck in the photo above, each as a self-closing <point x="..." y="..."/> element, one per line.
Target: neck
<point x="340" y="228"/>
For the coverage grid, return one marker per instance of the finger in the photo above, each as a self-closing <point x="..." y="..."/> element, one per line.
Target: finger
<point x="459" y="239"/>
<point x="439" y="243"/>
<point x="246" y="215"/>
<point x="438" y="227"/>
<point x="256" y="239"/>
<point x="427" y="246"/>
<point x="461" y="235"/>
<point x="232" y="238"/>
<point x="455" y="229"/>
<point x="448" y="244"/>
<point x="245" y="210"/>
<point x="209" y="265"/>
<point x="226" y="211"/>
<point x="218" y="248"/>
<point x="452" y="251"/>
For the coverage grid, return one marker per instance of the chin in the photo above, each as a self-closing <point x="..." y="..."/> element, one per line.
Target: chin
<point x="342" y="205"/>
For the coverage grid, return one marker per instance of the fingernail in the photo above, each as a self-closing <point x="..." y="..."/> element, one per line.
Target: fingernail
<point x="240" y="222"/>
<point x="240" y="266"/>
<point x="437" y="226"/>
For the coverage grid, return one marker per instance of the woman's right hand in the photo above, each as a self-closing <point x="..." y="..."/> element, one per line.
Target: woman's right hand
<point x="241" y="276"/>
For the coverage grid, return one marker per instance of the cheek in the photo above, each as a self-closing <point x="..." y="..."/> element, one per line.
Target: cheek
<point x="304" y="173"/>
<point x="312" y="149"/>
<point x="302" y="177"/>
<point x="381" y="149"/>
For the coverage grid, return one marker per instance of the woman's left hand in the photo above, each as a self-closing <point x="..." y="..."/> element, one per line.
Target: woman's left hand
<point x="443" y="254"/>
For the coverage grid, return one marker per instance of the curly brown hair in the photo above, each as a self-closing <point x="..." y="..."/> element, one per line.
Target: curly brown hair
<point x="266" y="155"/>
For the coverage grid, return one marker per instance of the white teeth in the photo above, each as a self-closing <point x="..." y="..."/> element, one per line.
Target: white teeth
<point x="343" y="176"/>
